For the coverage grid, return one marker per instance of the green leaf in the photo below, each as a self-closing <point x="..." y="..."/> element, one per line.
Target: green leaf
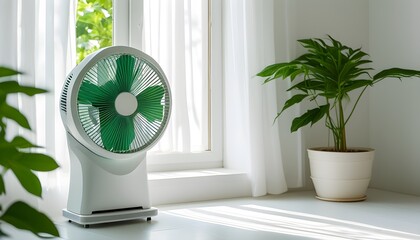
<point x="281" y="70"/>
<point x="8" y="154"/>
<point x="5" y="72"/>
<point x="330" y="67"/>
<point x="14" y="114"/>
<point x="37" y="162"/>
<point x="395" y="73"/>
<point x="320" y="114"/>
<point x="14" y="87"/>
<point x="270" y="70"/>
<point x="2" y="187"/>
<point x="311" y="116"/>
<point x="3" y="234"/>
<point x="309" y="84"/>
<point x="352" y="85"/>
<point x="21" y="142"/>
<point x="294" y="100"/>
<point x="27" y="178"/>
<point x="358" y="54"/>
<point x="23" y="216"/>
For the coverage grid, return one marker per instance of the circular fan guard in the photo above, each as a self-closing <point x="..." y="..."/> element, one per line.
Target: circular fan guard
<point x="117" y="127"/>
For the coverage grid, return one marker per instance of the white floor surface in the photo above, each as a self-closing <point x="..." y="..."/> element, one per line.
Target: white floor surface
<point x="295" y="215"/>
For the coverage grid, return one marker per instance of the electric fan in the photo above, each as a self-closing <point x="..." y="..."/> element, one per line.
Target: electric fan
<point x="115" y="105"/>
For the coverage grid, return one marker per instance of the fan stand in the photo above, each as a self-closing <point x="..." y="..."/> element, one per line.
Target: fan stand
<point x="105" y="190"/>
<point x="107" y="217"/>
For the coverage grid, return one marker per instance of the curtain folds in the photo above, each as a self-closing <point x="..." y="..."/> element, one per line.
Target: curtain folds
<point x="38" y="43"/>
<point x="252" y="141"/>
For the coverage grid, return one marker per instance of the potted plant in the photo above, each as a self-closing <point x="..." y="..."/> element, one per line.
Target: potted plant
<point x="16" y="157"/>
<point x="325" y="75"/>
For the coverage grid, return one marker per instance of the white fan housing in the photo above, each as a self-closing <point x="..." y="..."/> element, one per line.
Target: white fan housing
<point x="108" y="180"/>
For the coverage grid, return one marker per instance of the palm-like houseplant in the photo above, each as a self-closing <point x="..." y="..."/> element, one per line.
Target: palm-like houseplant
<point x="16" y="157"/>
<point x="325" y="75"/>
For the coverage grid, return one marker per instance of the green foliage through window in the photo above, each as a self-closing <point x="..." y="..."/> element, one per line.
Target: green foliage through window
<point x="93" y="26"/>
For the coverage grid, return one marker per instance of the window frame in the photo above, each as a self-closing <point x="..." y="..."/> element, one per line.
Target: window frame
<point x="126" y="26"/>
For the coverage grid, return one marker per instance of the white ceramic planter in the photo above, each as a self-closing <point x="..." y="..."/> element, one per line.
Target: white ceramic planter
<point x="341" y="176"/>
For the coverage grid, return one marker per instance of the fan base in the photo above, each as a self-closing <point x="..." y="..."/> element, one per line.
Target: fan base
<point x="98" y="218"/>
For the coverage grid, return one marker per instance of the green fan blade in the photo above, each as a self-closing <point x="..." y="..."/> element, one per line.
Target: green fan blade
<point x="109" y="91"/>
<point x="117" y="132"/>
<point x="89" y="93"/>
<point x="149" y="103"/>
<point x="97" y="95"/>
<point x="125" y="72"/>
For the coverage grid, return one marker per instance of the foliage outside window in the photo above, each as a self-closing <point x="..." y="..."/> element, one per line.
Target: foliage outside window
<point x="93" y="26"/>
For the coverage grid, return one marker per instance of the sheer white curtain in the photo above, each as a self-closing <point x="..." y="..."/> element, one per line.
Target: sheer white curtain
<point x="35" y="39"/>
<point x="175" y="34"/>
<point x="252" y="141"/>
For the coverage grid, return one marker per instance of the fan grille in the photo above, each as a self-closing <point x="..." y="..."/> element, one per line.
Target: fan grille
<point x="103" y="83"/>
<point x="63" y="98"/>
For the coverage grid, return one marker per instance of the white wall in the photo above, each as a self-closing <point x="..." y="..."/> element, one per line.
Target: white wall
<point x="394" y="116"/>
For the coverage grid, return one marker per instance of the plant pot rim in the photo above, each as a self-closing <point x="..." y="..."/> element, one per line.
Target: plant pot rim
<point x="350" y="149"/>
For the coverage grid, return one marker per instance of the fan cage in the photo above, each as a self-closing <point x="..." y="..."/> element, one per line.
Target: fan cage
<point x="147" y="130"/>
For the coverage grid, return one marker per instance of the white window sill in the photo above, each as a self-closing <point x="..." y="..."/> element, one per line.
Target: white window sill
<point x="197" y="185"/>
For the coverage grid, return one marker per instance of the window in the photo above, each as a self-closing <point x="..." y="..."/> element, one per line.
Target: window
<point x="183" y="36"/>
<point x="93" y="26"/>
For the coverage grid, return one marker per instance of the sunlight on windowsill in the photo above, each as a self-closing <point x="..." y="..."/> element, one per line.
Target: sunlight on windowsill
<point x="258" y="218"/>
<point x="192" y="173"/>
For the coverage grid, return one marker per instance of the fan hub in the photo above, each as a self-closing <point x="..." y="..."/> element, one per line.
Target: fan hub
<point x="126" y="104"/>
